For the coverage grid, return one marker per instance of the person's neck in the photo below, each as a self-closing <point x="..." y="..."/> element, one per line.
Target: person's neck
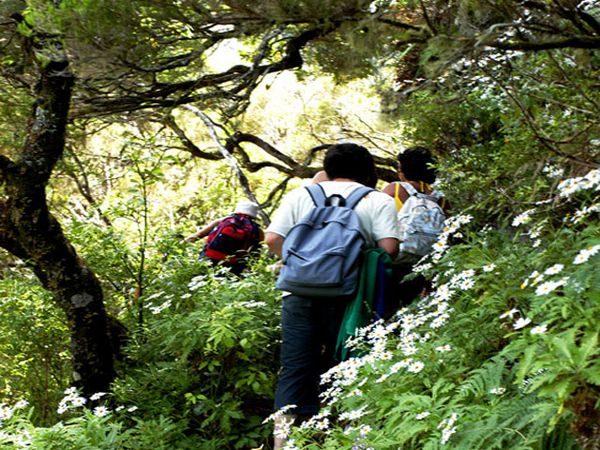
<point x="418" y="185"/>
<point x="344" y="179"/>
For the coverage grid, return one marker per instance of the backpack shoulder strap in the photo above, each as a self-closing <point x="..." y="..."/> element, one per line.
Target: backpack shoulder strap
<point x="317" y="193"/>
<point x="409" y="188"/>
<point x="356" y="196"/>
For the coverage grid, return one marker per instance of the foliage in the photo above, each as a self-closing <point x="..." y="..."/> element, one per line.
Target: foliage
<point x="502" y="354"/>
<point x="206" y="355"/>
<point x="34" y="363"/>
<point x="100" y="430"/>
<point x="203" y="366"/>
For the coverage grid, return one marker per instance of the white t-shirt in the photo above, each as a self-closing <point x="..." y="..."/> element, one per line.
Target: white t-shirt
<point x="376" y="211"/>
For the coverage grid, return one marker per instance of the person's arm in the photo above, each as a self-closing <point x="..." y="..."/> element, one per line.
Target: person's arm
<point x="203" y="232"/>
<point x="390" y="245"/>
<point x="445" y="204"/>
<point x="275" y="242"/>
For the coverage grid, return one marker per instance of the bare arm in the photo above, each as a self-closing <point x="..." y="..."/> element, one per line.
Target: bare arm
<point x="275" y="242"/>
<point x="390" y="245"/>
<point x="203" y="232"/>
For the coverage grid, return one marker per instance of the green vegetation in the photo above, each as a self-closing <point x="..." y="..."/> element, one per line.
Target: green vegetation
<point x="502" y="354"/>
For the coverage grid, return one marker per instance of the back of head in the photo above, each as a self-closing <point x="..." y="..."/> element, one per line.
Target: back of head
<point x="350" y="161"/>
<point x="416" y="163"/>
<point x="248" y="208"/>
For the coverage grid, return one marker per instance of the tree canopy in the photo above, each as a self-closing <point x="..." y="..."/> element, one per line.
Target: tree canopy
<point x="504" y="92"/>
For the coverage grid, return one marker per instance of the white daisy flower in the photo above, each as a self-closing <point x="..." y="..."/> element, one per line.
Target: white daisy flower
<point x="521" y="322"/>
<point x="510" y="313"/>
<point x="498" y="390"/>
<point x="556" y="268"/>
<point x="540" y="329"/>
<point x="101" y="411"/>
<point x="489" y="267"/>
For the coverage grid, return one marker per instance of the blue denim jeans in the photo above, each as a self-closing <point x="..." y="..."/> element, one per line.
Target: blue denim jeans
<point x="309" y="329"/>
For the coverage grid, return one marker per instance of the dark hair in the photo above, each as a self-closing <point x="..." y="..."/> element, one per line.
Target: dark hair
<point x="416" y="164"/>
<point x="350" y="161"/>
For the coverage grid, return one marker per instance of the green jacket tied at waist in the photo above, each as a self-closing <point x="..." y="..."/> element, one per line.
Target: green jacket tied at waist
<point x="369" y="297"/>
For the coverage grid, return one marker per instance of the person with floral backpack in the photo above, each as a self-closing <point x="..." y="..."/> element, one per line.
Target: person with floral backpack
<point x="231" y="239"/>
<point x="421" y="213"/>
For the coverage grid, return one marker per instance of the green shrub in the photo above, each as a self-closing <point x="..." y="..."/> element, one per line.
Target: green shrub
<point x="207" y="356"/>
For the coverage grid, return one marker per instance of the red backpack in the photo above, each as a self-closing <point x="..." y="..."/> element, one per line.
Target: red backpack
<point x="233" y="238"/>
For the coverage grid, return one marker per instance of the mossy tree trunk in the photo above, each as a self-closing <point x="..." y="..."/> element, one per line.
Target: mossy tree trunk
<point x="29" y="231"/>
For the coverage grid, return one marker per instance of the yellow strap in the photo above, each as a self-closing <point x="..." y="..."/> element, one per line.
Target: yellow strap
<point x="399" y="202"/>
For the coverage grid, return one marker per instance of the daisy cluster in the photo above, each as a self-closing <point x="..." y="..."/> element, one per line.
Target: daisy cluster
<point x="71" y="400"/>
<point x="545" y="286"/>
<point x="570" y="186"/>
<point x="393" y="347"/>
<point x="318" y="422"/>
<point x="584" y="212"/>
<point x="362" y="432"/>
<point x="448" y="428"/>
<point x="7" y="412"/>
<point x="248" y="304"/>
<point x="157" y="309"/>
<point x="523" y="218"/>
<point x="282" y="424"/>
<point x="451" y="228"/>
<point x="20" y="440"/>
<point x="198" y="282"/>
<point x="584" y="255"/>
<point x="279" y="414"/>
<point x="553" y="171"/>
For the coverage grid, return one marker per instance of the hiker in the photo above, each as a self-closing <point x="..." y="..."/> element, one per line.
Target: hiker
<point x="310" y="322"/>
<point x="418" y="229"/>
<point x="232" y="239"/>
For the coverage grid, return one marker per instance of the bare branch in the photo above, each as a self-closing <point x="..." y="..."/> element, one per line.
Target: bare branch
<point x="587" y="42"/>
<point x="169" y="120"/>
<point x="83" y="186"/>
<point x="239" y="137"/>
<point x="274" y="196"/>
<point x="230" y="159"/>
<point x="235" y="84"/>
<point x="396" y="24"/>
<point x="427" y="18"/>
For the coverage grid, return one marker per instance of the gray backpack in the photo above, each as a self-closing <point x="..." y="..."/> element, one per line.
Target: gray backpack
<point x="421" y="220"/>
<point x="321" y="253"/>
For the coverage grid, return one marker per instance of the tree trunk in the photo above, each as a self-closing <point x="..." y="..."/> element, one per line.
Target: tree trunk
<point x="29" y="231"/>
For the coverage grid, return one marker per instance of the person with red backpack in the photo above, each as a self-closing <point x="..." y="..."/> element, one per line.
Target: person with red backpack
<point x="231" y="239"/>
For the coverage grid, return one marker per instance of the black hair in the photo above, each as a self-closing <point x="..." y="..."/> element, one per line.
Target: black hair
<point x="416" y="163"/>
<point x="350" y="161"/>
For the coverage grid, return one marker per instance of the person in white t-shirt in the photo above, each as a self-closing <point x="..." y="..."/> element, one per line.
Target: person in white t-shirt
<point x="310" y="324"/>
